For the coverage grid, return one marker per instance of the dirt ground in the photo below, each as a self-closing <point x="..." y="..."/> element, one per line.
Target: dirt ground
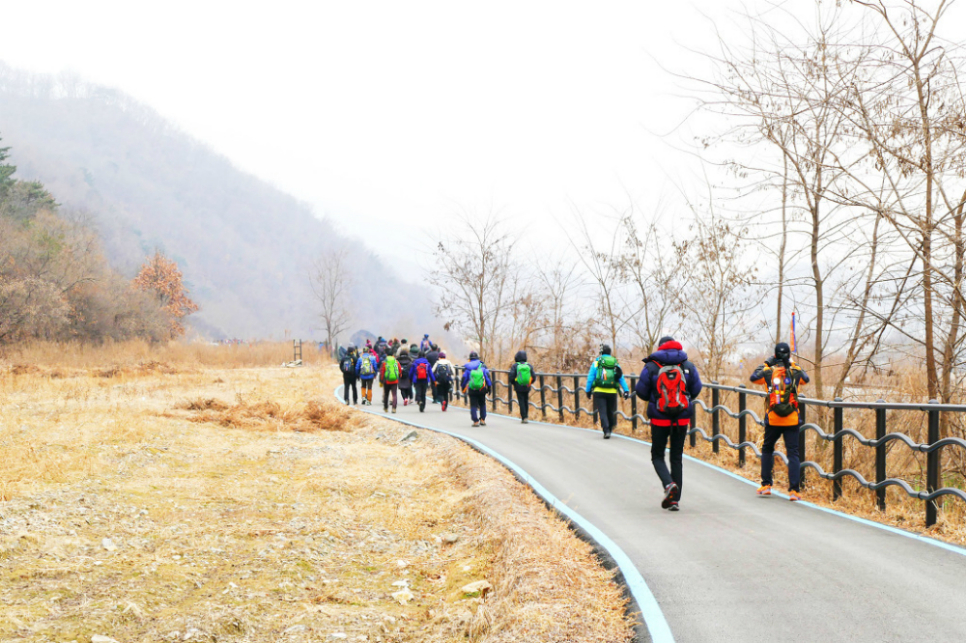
<point x="154" y="501"/>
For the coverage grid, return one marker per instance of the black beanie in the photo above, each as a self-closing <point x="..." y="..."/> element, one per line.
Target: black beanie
<point x="605" y="349"/>
<point x="664" y="340"/>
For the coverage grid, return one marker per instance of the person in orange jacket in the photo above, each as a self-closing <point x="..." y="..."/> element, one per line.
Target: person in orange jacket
<point x="783" y="378"/>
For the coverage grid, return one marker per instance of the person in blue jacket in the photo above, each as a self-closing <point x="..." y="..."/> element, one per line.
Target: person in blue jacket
<point x="604" y="379"/>
<point x="669" y="383"/>
<point x="476" y="387"/>
<point x="421" y="375"/>
<point x="425" y="344"/>
<point x="367" y="368"/>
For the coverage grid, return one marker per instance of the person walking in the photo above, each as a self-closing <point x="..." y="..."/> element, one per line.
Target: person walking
<point x="405" y="384"/>
<point x="476" y="384"/>
<point x="783" y="378"/>
<point x="421" y="373"/>
<point x="431" y="356"/>
<point x="443" y="374"/>
<point x="425" y="343"/>
<point x="403" y="347"/>
<point x="669" y="383"/>
<point x="521" y="374"/>
<point x="348" y="367"/>
<point x="366" y="368"/>
<point x="604" y="380"/>
<point x="389" y="378"/>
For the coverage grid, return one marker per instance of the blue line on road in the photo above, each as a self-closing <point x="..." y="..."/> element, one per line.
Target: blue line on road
<point x="657" y="625"/>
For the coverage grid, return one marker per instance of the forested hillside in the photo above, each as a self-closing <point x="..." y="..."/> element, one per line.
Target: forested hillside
<point x="244" y="247"/>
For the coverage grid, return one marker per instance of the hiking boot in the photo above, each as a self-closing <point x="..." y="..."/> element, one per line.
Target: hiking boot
<point x="673" y="506"/>
<point x="670" y="492"/>
<point x="794" y="495"/>
<point x="444" y="407"/>
<point x="482" y="422"/>
<point x="607" y="435"/>
<point x="385" y="409"/>
<point x="394" y="409"/>
<point x="476" y="424"/>
<point x="764" y="490"/>
<point x="405" y="402"/>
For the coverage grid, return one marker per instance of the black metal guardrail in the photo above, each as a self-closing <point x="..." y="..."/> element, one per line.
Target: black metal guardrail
<point x="933" y="491"/>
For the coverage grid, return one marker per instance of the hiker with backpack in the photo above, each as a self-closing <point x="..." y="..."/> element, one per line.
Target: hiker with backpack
<point x="366" y="368"/>
<point x="443" y="374"/>
<point x="521" y="374"/>
<point x="668" y="383"/>
<point x="476" y="384"/>
<point x="348" y="367"/>
<point x="405" y="384"/>
<point x="389" y="378"/>
<point x="604" y="380"/>
<point x="421" y="373"/>
<point x="425" y="343"/>
<point x="432" y="355"/>
<point x="402" y="347"/>
<point x="782" y="377"/>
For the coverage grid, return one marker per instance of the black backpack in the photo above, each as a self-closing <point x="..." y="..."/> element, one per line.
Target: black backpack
<point x="348" y="365"/>
<point x="443" y="373"/>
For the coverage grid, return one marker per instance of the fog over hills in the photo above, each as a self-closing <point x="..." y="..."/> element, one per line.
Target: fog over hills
<point x="244" y="246"/>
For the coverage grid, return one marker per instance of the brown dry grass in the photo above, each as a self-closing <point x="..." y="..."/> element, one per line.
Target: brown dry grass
<point x="243" y="503"/>
<point x="901" y="510"/>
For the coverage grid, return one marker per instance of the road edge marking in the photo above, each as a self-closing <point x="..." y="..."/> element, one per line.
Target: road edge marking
<point x="657" y="626"/>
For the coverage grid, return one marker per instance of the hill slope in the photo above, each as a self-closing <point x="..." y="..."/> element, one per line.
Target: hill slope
<point x="243" y="246"/>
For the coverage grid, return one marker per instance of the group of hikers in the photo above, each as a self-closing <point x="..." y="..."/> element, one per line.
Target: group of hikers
<point x="669" y="383"/>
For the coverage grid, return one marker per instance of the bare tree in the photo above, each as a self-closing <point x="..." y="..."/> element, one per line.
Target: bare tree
<point x="475" y="277"/>
<point x="331" y="282"/>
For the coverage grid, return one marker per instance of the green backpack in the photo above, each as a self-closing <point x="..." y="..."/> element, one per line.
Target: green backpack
<point x="477" y="379"/>
<point x="606" y="372"/>
<point x="524" y="375"/>
<point x="392" y="370"/>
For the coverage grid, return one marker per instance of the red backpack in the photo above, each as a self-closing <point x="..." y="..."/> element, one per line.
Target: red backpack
<point x="672" y="391"/>
<point x="422" y="371"/>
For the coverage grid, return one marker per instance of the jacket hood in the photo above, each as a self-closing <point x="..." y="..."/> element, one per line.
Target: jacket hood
<point x="668" y="353"/>
<point x="521" y="356"/>
<point x="472" y="364"/>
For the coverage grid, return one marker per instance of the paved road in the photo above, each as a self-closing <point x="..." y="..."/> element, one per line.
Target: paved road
<point x="731" y="566"/>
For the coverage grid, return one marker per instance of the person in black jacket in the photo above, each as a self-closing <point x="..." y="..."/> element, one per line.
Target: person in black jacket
<point x="348" y="367"/>
<point x="522" y="376"/>
<point x="432" y="356"/>
<point x="405" y="384"/>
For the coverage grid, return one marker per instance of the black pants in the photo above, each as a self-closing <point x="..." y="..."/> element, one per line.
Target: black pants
<point x="790" y="435"/>
<point x="347" y="382"/>
<point x="606" y="406"/>
<point x="420" y="386"/>
<point x="477" y="405"/>
<point x="659" y="440"/>
<point x="523" y="397"/>
<point x="386" y="390"/>
<point x="442" y="392"/>
<point x="406" y="391"/>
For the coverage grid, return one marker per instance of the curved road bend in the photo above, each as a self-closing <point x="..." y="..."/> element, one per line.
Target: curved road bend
<point x="731" y="566"/>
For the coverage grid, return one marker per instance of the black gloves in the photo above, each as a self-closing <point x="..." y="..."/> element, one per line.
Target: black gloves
<point x="771" y="361"/>
<point x="626" y="395"/>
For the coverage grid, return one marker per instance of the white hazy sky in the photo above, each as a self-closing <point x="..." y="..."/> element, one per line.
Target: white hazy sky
<point x="389" y="117"/>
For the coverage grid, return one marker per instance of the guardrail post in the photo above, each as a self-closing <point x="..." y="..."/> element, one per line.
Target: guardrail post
<point x="543" y="398"/>
<point x="509" y="393"/>
<point x="802" y="419"/>
<point x="932" y="467"/>
<point x="837" y="451"/>
<point x="457" y="389"/>
<point x="880" y="455"/>
<point x="715" y="420"/>
<point x="560" y="397"/>
<point x="492" y="394"/>
<point x="742" y="430"/>
<point x="633" y="404"/>
<point x="694" y="423"/>
<point x="577" y="396"/>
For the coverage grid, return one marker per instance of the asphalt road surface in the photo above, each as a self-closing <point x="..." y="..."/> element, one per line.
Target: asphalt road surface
<point x="733" y="566"/>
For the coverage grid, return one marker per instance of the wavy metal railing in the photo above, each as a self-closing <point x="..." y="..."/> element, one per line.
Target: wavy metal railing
<point x="932" y="448"/>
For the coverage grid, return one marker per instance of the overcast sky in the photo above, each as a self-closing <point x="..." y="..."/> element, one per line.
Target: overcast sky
<point x="389" y="117"/>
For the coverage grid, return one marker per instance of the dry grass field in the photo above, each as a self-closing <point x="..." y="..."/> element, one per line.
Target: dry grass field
<point x="203" y="493"/>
